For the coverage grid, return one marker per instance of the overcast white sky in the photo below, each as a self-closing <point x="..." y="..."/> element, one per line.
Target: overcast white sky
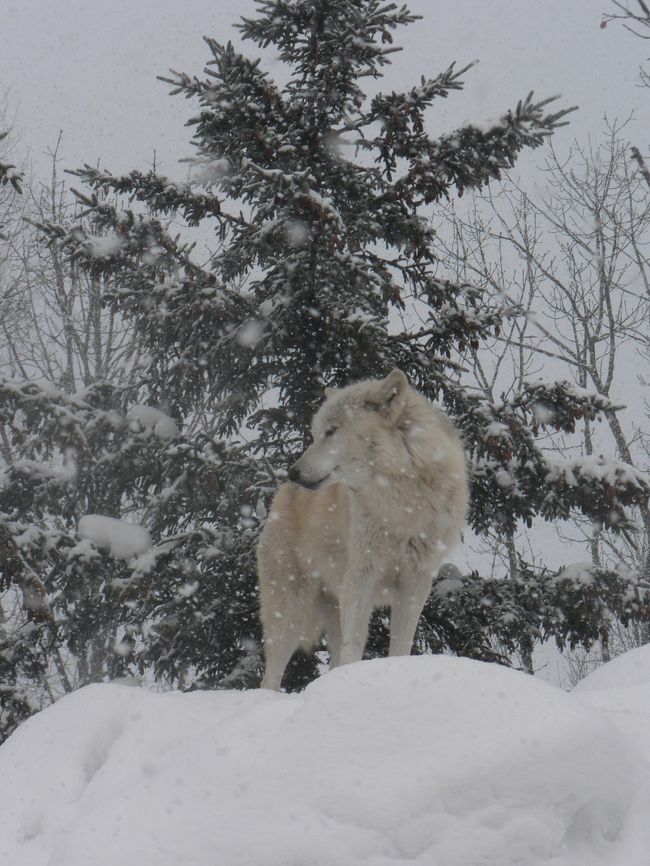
<point x="89" y="68"/>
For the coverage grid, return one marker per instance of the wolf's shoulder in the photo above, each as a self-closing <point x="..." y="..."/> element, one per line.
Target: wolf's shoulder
<point x="423" y="412"/>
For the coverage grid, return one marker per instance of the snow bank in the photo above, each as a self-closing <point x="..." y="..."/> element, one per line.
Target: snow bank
<point x="433" y="760"/>
<point x="122" y="540"/>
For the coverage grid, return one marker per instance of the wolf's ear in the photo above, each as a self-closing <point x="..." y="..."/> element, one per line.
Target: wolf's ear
<point x="392" y="390"/>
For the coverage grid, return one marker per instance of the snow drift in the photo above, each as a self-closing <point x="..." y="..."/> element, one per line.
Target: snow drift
<point x="428" y="760"/>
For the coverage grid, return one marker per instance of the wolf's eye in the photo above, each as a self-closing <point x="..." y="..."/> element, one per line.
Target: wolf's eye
<point x="330" y="431"/>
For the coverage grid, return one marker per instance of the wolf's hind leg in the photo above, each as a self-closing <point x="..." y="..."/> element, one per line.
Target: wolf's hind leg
<point x="277" y="652"/>
<point x="290" y="622"/>
<point x="281" y="637"/>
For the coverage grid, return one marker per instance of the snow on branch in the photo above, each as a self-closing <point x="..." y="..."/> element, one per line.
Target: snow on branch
<point x="614" y="481"/>
<point x="560" y="404"/>
<point x="123" y="540"/>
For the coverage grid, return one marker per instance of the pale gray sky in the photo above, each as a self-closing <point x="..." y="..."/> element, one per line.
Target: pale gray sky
<point x="89" y="68"/>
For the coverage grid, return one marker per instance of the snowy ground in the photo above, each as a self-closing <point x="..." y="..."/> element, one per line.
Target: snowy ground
<point x="427" y="760"/>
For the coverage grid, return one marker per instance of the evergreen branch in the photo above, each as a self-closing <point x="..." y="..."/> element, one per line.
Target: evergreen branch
<point x="9" y="174"/>
<point x="640" y="161"/>
<point x="473" y="155"/>
<point x="400" y="107"/>
<point x="160" y="194"/>
<point x="561" y="403"/>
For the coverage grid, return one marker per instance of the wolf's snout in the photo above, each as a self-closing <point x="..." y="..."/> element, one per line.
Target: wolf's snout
<point x="304" y="479"/>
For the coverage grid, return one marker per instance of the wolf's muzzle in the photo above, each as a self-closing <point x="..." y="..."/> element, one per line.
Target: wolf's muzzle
<point x="295" y="476"/>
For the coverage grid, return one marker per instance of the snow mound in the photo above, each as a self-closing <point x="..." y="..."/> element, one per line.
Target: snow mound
<point x="423" y="760"/>
<point x="621" y="690"/>
<point x="625" y="671"/>
<point x="122" y="540"/>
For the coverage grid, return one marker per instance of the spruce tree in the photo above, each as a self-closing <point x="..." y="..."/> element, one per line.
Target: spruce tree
<point x="316" y="203"/>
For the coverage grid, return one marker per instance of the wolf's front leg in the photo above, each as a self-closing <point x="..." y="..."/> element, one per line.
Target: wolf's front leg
<point x="356" y="603"/>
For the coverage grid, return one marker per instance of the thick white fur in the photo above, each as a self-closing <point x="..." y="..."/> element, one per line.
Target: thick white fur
<point x="387" y="499"/>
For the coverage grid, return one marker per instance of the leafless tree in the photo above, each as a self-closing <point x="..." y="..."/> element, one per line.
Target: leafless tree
<point x="574" y="262"/>
<point x="64" y="334"/>
<point x="478" y="256"/>
<point x="11" y="209"/>
<point x="54" y="327"/>
<point x="635" y="17"/>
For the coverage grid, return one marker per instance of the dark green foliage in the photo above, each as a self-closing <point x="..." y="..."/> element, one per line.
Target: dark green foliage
<point x="80" y="612"/>
<point x="492" y="619"/>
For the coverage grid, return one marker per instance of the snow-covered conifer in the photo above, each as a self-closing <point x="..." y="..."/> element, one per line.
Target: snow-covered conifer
<point x="316" y="198"/>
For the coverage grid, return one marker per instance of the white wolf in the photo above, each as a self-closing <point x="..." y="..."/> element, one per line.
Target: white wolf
<point x="379" y="498"/>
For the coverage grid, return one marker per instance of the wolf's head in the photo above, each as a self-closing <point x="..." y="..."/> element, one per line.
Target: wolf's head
<point x="354" y="434"/>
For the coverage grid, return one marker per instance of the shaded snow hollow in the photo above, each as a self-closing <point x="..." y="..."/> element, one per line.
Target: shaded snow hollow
<point x="429" y="760"/>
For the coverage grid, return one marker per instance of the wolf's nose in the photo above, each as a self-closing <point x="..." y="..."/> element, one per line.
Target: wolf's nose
<point x="294" y="474"/>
